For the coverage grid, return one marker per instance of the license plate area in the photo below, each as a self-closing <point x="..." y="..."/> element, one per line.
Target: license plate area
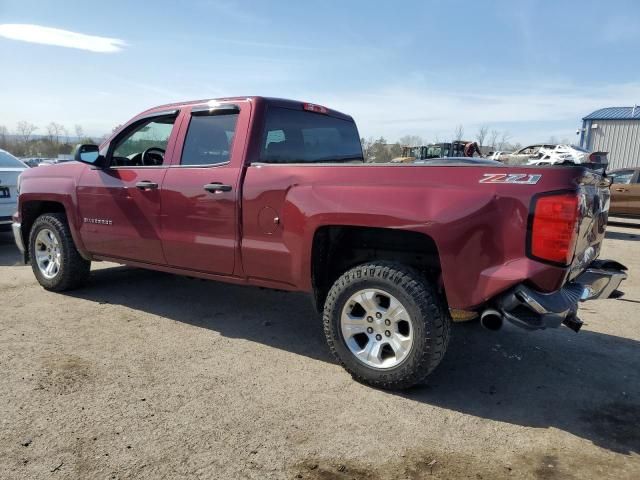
<point x="5" y="192"/>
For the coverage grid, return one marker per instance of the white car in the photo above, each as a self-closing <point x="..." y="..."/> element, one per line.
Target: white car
<point x="555" y="154"/>
<point x="550" y="154"/>
<point x="10" y="170"/>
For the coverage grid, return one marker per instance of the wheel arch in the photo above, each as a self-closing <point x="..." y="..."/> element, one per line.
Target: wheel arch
<point x="338" y="248"/>
<point x="31" y="209"/>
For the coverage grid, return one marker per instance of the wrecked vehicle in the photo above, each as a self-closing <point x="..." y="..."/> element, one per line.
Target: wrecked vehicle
<point x="275" y="193"/>
<point x="551" y="154"/>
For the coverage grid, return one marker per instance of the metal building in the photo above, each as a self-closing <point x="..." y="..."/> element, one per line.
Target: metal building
<point x="615" y="130"/>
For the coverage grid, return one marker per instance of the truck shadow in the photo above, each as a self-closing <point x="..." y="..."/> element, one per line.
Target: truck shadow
<point x="9" y="254"/>
<point x="615" y="235"/>
<point x="587" y="384"/>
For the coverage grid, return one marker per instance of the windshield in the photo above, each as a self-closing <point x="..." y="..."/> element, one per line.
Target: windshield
<point x="623" y="177"/>
<point x="9" y="161"/>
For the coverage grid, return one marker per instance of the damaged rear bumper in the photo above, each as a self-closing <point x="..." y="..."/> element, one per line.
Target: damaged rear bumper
<point x="533" y="310"/>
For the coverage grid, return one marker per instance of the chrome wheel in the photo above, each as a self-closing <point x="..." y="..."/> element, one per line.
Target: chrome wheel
<point x="377" y="328"/>
<point x="48" y="253"/>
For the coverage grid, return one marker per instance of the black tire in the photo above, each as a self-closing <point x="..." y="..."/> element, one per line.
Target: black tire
<point x="74" y="270"/>
<point x="429" y="316"/>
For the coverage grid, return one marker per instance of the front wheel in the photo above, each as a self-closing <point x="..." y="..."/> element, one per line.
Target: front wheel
<point x="386" y="324"/>
<point x="55" y="260"/>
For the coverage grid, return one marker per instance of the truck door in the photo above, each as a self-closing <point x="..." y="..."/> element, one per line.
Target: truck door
<point x="622" y="192"/>
<point x="200" y="193"/>
<point x="634" y="197"/>
<point x="119" y="206"/>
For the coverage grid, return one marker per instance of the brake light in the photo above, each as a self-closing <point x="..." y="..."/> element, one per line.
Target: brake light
<point x="554" y="228"/>
<point x="312" y="107"/>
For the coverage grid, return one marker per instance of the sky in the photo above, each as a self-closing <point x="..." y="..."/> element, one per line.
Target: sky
<point x="532" y="68"/>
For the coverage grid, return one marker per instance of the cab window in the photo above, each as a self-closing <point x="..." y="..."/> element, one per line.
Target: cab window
<point x="295" y="136"/>
<point x="145" y="144"/>
<point x="209" y="139"/>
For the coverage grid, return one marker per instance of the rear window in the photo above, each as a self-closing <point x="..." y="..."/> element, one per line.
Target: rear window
<point x="9" y="161"/>
<point x="296" y="136"/>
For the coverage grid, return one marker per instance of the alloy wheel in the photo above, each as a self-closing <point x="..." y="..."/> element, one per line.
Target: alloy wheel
<point x="377" y="328"/>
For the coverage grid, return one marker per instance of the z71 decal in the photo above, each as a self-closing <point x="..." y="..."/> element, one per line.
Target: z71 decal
<point x="517" y="178"/>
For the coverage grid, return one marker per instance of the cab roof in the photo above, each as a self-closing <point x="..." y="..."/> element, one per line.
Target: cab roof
<point x="279" y="102"/>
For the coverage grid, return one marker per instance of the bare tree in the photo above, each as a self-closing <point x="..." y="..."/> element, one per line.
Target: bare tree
<point x="411" y="141"/>
<point x="482" y="134"/>
<point x="25" y="130"/>
<point x="64" y="133"/>
<point x="367" y="143"/>
<point x="79" y="132"/>
<point x="493" y="138"/>
<point x="3" y="135"/>
<point x="504" y="139"/>
<point x="458" y="133"/>
<point x="553" y="139"/>
<point x="51" y="131"/>
<point x="379" y="151"/>
<point x="55" y="131"/>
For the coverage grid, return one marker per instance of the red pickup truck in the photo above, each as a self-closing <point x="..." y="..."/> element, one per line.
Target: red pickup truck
<point x="275" y="193"/>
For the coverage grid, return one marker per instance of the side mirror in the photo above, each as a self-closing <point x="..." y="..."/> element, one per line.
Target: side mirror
<point x="89" y="154"/>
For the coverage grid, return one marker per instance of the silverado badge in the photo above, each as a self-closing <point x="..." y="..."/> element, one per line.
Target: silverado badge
<point x="98" y="221"/>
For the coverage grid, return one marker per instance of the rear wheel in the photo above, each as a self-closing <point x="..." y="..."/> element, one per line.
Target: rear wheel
<point x="386" y="325"/>
<point x="55" y="260"/>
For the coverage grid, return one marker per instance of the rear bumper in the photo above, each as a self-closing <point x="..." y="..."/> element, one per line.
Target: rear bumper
<point x="533" y="310"/>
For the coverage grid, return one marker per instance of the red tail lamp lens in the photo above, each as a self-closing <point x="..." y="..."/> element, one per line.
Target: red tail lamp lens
<point x="554" y="230"/>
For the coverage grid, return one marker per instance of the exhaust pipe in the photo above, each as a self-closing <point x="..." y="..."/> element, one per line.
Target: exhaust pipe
<point x="573" y="322"/>
<point x="491" y="319"/>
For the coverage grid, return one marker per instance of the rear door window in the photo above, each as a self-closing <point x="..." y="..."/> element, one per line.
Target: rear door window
<point x="209" y="139"/>
<point x="297" y="136"/>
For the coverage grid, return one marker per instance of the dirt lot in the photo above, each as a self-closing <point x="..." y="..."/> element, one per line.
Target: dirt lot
<point x="148" y="375"/>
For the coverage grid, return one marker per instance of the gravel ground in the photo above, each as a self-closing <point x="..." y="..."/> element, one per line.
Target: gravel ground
<point x="150" y="375"/>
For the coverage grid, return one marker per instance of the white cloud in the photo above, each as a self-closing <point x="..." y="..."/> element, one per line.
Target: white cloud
<point x="60" y="38"/>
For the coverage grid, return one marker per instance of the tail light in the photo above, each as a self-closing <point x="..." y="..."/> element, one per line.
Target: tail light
<point x="554" y="228"/>
<point x="312" y="107"/>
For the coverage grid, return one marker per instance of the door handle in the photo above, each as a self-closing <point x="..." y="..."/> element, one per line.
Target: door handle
<point x="146" y="185"/>
<point x="217" y="187"/>
<point x="621" y="190"/>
